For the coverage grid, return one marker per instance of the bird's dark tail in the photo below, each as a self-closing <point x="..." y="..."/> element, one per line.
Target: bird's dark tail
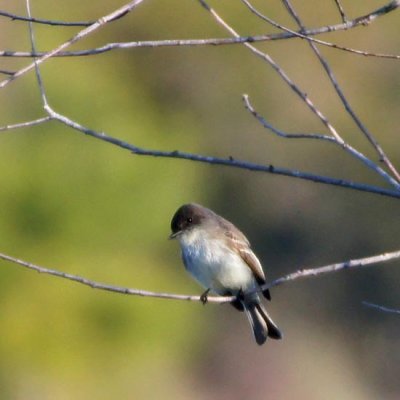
<point x="261" y="323"/>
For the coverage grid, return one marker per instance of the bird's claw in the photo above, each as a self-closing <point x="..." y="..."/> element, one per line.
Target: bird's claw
<point x="240" y="295"/>
<point x="204" y="297"/>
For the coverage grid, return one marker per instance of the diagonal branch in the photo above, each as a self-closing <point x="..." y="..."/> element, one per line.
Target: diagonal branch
<point x="85" y="32"/>
<point x="304" y="97"/>
<point x="33" y="46"/>
<point x="266" y="57"/>
<point x="384" y="158"/>
<point x="288" y="34"/>
<point x="229" y="162"/>
<point x="43" y="21"/>
<point x="191" y="43"/>
<point x="300" y="274"/>
<point x="351" y="264"/>
<point x="25" y="124"/>
<point x="345" y="146"/>
<point x="381" y="308"/>
<point x="341" y="10"/>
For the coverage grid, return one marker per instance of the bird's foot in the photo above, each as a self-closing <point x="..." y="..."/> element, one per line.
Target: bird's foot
<point x="240" y="295"/>
<point x="204" y="297"/>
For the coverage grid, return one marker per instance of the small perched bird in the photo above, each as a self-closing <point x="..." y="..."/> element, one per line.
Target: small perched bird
<point x="219" y="257"/>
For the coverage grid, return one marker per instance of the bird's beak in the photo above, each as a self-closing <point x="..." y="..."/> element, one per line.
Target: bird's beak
<point x="174" y="235"/>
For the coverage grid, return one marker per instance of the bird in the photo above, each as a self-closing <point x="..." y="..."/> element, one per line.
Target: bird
<point x="218" y="255"/>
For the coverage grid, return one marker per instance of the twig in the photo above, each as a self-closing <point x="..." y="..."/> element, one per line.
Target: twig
<point x="278" y="132"/>
<point x="193" y="42"/>
<point x="356" y="22"/>
<point x="381" y="308"/>
<point x="338" y="139"/>
<point x="122" y="11"/>
<point x="231" y="162"/>
<point x="25" y="124"/>
<point x="266" y="57"/>
<point x="341" y="10"/>
<point x="305" y="273"/>
<point x="351" y="264"/>
<point x="343" y="145"/>
<point x="304" y="33"/>
<point x="37" y="70"/>
<point x="104" y="286"/>
<point x="368" y="18"/>
<point x="43" y="21"/>
<point x="343" y="99"/>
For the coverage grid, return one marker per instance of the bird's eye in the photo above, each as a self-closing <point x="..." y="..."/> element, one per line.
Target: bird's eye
<point x="189" y="220"/>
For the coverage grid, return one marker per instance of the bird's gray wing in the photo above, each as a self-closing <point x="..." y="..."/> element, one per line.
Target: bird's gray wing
<point x="238" y="241"/>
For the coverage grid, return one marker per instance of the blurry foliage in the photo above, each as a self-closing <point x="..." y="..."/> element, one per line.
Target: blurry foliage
<point x="82" y="206"/>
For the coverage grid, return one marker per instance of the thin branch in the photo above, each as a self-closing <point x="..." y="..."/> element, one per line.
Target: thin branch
<point x="25" y="124"/>
<point x="384" y="158"/>
<point x="344" y="146"/>
<point x="103" y="286"/>
<point x="120" y="12"/>
<point x="381" y="308"/>
<point x="280" y="133"/>
<point x="43" y="21"/>
<point x="364" y="130"/>
<point x="266" y="57"/>
<point x="341" y="10"/>
<point x="368" y="18"/>
<point x="304" y="97"/>
<point x="230" y="162"/>
<point x="288" y="34"/>
<point x="305" y="273"/>
<point x="191" y="43"/>
<point x="37" y="70"/>
<point x="303" y="33"/>
<point x="351" y="264"/>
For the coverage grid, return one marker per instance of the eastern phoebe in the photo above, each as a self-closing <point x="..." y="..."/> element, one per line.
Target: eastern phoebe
<point x="219" y="257"/>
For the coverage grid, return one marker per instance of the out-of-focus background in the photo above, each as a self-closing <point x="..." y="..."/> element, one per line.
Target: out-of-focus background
<point x="86" y="207"/>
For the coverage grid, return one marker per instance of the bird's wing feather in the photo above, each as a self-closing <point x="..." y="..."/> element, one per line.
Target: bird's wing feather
<point x="239" y="242"/>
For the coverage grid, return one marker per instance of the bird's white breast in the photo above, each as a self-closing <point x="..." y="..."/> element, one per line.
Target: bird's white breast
<point x="214" y="265"/>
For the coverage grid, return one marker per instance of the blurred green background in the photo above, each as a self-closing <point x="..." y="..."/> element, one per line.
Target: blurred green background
<point x="86" y="207"/>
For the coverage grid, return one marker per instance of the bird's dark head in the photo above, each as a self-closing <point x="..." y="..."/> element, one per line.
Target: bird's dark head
<point x="186" y="218"/>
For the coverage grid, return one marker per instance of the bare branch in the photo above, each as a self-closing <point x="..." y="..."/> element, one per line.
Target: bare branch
<point x="304" y="273"/>
<point x="43" y="21"/>
<point x="368" y="18"/>
<point x="122" y="11"/>
<point x="288" y="34"/>
<point x="343" y="145"/>
<point x="25" y="124"/>
<point x="302" y="95"/>
<point x="37" y="70"/>
<point x="191" y="43"/>
<point x="381" y="308"/>
<point x="342" y="97"/>
<point x="351" y="264"/>
<point x="230" y="161"/>
<point x="266" y="57"/>
<point x="103" y="286"/>
<point x="307" y="33"/>
<point x="341" y="10"/>
<point x="280" y="133"/>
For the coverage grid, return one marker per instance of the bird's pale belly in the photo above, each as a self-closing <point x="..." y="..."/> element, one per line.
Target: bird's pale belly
<point x="217" y="268"/>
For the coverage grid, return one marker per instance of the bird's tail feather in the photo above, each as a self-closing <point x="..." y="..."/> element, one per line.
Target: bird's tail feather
<point x="273" y="330"/>
<point x="260" y="329"/>
<point x="261" y="323"/>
